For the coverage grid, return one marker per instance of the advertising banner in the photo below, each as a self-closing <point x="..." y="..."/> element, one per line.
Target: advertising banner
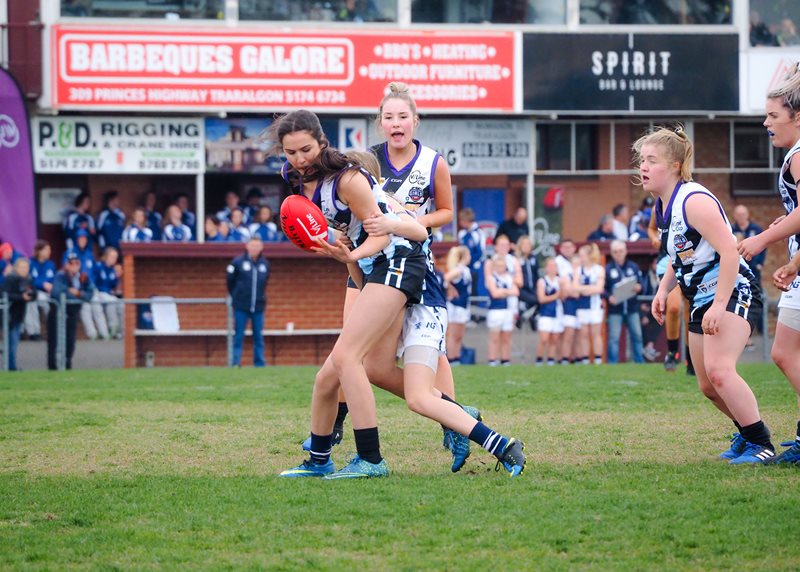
<point x="766" y="68"/>
<point x="631" y="73"/>
<point x="479" y="146"/>
<point x="248" y="69"/>
<point x="171" y="146"/>
<point x="17" y="204"/>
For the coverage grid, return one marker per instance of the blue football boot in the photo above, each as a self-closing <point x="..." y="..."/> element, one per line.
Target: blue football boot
<point x="754" y="454"/>
<point x="512" y="458"/>
<point x="358" y="468"/>
<point x="737" y="447"/>
<point x="789" y="456"/>
<point x="459" y="444"/>
<point x="309" y="469"/>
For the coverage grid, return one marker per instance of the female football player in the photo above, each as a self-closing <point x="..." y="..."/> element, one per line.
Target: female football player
<point x="724" y="297"/>
<point x="783" y="126"/>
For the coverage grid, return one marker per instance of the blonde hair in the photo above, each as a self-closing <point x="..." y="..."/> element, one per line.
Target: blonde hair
<point x="398" y="90"/>
<point x="789" y="89"/>
<point x="518" y="245"/>
<point x="366" y="160"/>
<point x="592" y="252"/>
<point x="676" y="143"/>
<point x="458" y="255"/>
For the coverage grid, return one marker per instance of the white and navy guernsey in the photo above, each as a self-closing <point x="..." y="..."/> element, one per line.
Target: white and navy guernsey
<point x="463" y="288"/>
<point x="413" y="187"/>
<point x="501" y="281"/>
<point x="694" y="260"/>
<point x="552" y="308"/>
<point x="340" y="217"/>
<point x="589" y="278"/>
<point x="788" y="190"/>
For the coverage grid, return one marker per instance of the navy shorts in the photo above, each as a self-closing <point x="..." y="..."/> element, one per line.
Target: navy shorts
<point x="745" y="303"/>
<point x="404" y="271"/>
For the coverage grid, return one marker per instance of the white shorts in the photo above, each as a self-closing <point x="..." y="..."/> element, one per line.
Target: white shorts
<point x="590" y="316"/>
<point x="553" y="325"/>
<point x="791" y="299"/>
<point x="424" y="326"/>
<point x="457" y="314"/>
<point x="789" y="317"/>
<point x="502" y="320"/>
<point x="571" y="321"/>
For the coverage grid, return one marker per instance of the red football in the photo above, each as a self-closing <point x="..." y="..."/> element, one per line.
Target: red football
<point x="302" y="221"/>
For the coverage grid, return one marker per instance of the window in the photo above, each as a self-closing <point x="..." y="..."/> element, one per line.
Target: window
<point x="774" y="22"/>
<point x="650" y="12"/>
<point x="173" y="9"/>
<point x="494" y="11"/>
<point x="558" y="143"/>
<point x="755" y="161"/>
<point x="319" y="11"/>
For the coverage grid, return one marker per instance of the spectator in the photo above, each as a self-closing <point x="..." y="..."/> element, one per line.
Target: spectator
<point x="760" y="34"/>
<point x="253" y="199"/>
<point x="787" y="35"/>
<point x="566" y="272"/>
<point x="500" y="317"/>
<point x="502" y="247"/>
<point x="79" y="218"/>
<point x="459" y="280"/>
<point x="75" y="285"/>
<point x="549" y="292"/>
<point x="232" y="202"/>
<point x="743" y="228"/>
<point x="516" y="226"/>
<point x="605" y="230"/>
<point x="7" y="258"/>
<point x="107" y="314"/>
<point x="154" y="219"/>
<point x="86" y="255"/>
<point x="530" y="276"/>
<point x="175" y="230"/>
<point x="212" y="229"/>
<point x="187" y="217"/>
<point x="42" y="272"/>
<point x="650" y="328"/>
<point x="640" y="232"/>
<point x="644" y="211"/>
<point x="239" y="231"/>
<point x="110" y="221"/>
<point x="247" y="283"/>
<point x="349" y="12"/>
<point x="626" y="310"/>
<point x="264" y="227"/>
<point x="589" y="281"/>
<point x="224" y="230"/>
<point x="137" y="230"/>
<point x="19" y="288"/>
<point x="620" y="228"/>
<point x="471" y="236"/>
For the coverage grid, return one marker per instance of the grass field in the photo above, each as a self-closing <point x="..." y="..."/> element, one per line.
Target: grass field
<point x="175" y="469"/>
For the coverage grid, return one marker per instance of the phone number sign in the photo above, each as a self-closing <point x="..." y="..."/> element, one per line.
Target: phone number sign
<point x="249" y="70"/>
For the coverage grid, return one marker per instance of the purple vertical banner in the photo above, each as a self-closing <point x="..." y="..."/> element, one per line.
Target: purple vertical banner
<point x="17" y="204"/>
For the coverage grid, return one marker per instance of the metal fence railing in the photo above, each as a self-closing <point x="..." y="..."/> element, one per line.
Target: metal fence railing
<point x="60" y="307"/>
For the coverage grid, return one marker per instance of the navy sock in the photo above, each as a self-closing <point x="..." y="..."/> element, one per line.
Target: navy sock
<point x="320" y="448"/>
<point x="341" y="415"/>
<point x="450" y="399"/>
<point x="739" y="427"/>
<point x="672" y="346"/>
<point x="368" y="444"/>
<point x="757" y="433"/>
<point x="493" y="442"/>
<point x="797" y="439"/>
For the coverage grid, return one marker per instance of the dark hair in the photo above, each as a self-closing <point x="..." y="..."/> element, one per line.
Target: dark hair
<point x="618" y="209"/>
<point x="39" y="246"/>
<point x="253" y="192"/>
<point x="212" y="218"/>
<point x="330" y="161"/>
<point x="109" y="196"/>
<point x="80" y="198"/>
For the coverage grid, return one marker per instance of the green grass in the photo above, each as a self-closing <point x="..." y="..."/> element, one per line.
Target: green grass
<point x="175" y="469"/>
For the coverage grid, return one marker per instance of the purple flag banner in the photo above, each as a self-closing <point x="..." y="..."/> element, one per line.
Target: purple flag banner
<point x="17" y="205"/>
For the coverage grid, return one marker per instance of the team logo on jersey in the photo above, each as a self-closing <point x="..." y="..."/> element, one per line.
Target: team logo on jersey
<point x="687" y="256"/>
<point x="418" y="178"/>
<point x="679" y="241"/>
<point x="416" y="195"/>
<point x="677" y="225"/>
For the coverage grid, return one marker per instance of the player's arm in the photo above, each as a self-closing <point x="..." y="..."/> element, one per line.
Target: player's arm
<point x="356" y="274"/>
<point x="442" y="189"/>
<point x="495" y="291"/>
<point x="398" y="224"/>
<point x="786" y="227"/>
<point x="518" y="280"/>
<point x="541" y="296"/>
